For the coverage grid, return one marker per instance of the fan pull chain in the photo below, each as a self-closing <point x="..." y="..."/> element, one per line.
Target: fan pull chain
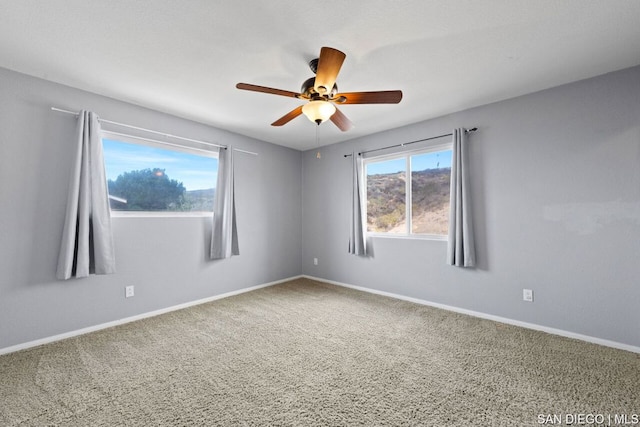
<point x="318" y="155"/>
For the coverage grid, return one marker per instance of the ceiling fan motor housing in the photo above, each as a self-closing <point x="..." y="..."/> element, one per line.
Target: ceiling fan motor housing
<point x="308" y="90"/>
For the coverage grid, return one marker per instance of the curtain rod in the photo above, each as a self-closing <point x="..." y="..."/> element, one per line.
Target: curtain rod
<point x="167" y="135"/>
<point x="412" y="142"/>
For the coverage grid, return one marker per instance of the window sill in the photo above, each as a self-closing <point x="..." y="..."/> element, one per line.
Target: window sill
<point x="410" y="237"/>
<point x="135" y="214"/>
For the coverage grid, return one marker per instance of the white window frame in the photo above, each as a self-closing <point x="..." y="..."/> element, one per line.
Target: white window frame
<point x="408" y="202"/>
<point x="138" y="140"/>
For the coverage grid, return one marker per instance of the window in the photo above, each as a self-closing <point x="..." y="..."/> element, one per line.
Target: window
<point x="417" y="206"/>
<point x="151" y="177"/>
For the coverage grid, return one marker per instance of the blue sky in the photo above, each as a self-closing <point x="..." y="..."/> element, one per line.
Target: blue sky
<point x="419" y="162"/>
<point x="194" y="171"/>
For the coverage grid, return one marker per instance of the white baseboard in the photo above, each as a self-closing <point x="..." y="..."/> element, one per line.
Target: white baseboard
<point x="554" y="331"/>
<point x="106" y="325"/>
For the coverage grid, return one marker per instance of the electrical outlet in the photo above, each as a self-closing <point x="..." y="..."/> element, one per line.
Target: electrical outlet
<point x="315" y="261"/>
<point x="128" y="292"/>
<point x="527" y="295"/>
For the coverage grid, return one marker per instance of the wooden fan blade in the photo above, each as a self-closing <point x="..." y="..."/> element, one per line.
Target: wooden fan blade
<point x="340" y="120"/>
<point x="288" y="117"/>
<point x="264" y="89"/>
<point x="329" y="65"/>
<point x="380" y="97"/>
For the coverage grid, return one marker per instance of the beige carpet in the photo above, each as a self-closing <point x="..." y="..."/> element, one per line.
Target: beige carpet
<point x="307" y="353"/>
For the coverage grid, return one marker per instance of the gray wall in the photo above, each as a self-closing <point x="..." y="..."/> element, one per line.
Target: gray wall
<point x="165" y="258"/>
<point x="556" y="182"/>
<point x="556" y="195"/>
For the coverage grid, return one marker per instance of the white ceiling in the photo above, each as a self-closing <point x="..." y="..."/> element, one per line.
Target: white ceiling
<point x="185" y="57"/>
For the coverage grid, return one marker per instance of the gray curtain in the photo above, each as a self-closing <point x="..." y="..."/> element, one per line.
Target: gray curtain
<point x="87" y="242"/>
<point x="224" y="239"/>
<point x="461" y="250"/>
<point x="357" y="242"/>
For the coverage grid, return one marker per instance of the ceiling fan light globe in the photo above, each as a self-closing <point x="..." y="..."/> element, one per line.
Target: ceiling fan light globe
<point x="318" y="111"/>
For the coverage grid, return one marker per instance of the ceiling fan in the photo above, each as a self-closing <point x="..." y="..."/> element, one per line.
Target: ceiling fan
<point x="322" y="94"/>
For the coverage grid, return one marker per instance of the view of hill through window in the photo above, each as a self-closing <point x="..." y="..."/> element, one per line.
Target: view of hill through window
<point x="148" y="178"/>
<point x="387" y="199"/>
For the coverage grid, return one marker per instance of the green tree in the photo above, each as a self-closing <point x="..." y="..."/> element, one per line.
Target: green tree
<point x="148" y="190"/>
